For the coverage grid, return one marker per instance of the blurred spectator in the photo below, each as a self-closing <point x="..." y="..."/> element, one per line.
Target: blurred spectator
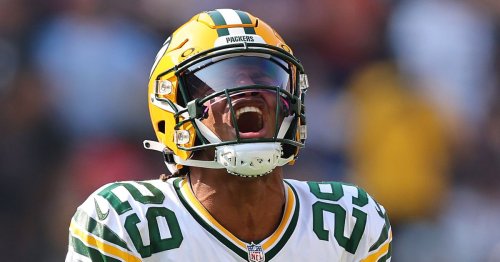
<point x="346" y="32"/>
<point x="14" y="18"/>
<point x="333" y="39"/>
<point x="472" y="211"/>
<point x="30" y="148"/>
<point x="159" y="12"/>
<point x="97" y="63"/>
<point x="398" y="145"/>
<point x="466" y="231"/>
<point x="446" y="48"/>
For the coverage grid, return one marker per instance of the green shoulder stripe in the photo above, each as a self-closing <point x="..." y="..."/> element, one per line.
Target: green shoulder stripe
<point x="89" y="252"/>
<point x="98" y="229"/>
<point x="384" y="235"/>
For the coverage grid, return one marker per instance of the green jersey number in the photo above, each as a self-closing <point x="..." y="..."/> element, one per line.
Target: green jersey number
<point x="334" y="192"/>
<point x="157" y="243"/>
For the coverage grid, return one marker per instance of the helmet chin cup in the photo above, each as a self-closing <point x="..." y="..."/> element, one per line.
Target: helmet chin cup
<point x="250" y="159"/>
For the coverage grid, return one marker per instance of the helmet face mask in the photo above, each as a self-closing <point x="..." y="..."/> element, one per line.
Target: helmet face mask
<point x="242" y="100"/>
<point x="245" y="114"/>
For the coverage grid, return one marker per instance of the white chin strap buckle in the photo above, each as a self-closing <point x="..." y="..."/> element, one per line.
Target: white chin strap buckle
<point x="250" y="160"/>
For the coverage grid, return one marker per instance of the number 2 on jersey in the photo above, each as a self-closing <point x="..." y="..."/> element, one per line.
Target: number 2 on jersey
<point x="157" y="244"/>
<point x="350" y="244"/>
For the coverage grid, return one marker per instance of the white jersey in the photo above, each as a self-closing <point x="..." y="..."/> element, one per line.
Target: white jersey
<point x="163" y="221"/>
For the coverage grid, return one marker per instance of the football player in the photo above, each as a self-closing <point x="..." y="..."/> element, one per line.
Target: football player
<point x="226" y="99"/>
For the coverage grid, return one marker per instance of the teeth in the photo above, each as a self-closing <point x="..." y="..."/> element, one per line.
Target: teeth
<point x="247" y="109"/>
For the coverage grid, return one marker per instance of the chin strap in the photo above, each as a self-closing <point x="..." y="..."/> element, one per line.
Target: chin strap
<point x="246" y="160"/>
<point x="156" y="146"/>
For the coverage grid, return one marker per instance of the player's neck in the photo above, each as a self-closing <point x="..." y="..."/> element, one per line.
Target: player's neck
<point x="250" y="208"/>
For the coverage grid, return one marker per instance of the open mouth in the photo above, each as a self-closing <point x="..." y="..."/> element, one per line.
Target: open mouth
<point x="249" y="119"/>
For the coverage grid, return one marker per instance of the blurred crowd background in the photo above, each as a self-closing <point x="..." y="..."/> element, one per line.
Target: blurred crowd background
<point x="404" y="101"/>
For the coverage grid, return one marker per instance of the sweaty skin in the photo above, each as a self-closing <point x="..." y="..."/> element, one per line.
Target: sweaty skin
<point x="250" y="208"/>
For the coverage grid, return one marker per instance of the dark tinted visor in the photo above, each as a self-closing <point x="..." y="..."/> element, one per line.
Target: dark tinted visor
<point x="209" y="77"/>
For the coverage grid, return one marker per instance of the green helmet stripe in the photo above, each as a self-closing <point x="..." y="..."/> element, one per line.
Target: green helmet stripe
<point x="245" y="19"/>
<point x="219" y="20"/>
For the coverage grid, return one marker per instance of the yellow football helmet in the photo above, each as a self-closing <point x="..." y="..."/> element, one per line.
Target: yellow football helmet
<point x="195" y="69"/>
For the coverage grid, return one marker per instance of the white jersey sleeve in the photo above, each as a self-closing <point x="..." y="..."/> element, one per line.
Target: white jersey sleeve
<point x="119" y="222"/>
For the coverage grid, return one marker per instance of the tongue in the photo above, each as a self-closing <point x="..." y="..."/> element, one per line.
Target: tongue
<point x="250" y="122"/>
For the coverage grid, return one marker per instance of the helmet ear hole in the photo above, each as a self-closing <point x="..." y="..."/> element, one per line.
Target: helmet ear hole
<point x="288" y="150"/>
<point x="161" y="126"/>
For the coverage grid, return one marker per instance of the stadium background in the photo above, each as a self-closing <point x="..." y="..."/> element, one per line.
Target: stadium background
<point x="404" y="101"/>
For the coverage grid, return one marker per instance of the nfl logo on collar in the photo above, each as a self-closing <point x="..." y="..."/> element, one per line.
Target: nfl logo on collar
<point x="255" y="253"/>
